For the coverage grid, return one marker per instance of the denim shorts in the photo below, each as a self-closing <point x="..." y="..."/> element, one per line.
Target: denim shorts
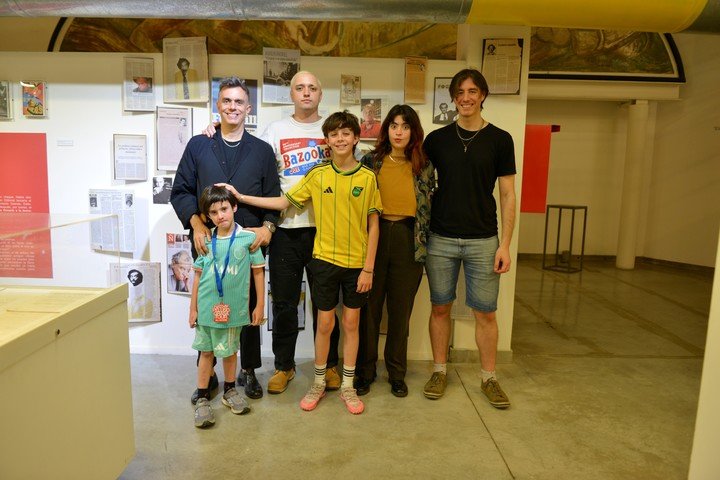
<point x="477" y="256"/>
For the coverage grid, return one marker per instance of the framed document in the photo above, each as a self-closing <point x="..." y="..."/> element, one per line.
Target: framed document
<point x="5" y="100"/>
<point x="130" y="157"/>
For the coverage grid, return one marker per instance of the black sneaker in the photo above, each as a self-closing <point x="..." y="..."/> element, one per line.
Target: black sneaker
<point x="253" y="389"/>
<point x="213" y="386"/>
<point x="362" y="385"/>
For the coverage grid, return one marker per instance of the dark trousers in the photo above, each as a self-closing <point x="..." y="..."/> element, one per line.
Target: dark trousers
<point x="290" y="252"/>
<point x="397" y="278"/>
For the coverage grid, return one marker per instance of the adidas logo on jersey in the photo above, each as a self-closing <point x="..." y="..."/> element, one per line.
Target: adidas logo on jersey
<point x="328" y="190"/>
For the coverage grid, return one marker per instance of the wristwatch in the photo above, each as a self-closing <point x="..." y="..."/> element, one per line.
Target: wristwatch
<point x="270" y="226"/>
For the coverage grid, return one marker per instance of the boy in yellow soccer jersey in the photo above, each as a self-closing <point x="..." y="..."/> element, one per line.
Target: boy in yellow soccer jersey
<point x="346" y="203"/>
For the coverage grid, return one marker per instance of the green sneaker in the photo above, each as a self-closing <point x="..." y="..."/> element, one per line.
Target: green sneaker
<point x="495" y="394"/>
<point x="435" y="387"/>
<point x="204" y="416"/>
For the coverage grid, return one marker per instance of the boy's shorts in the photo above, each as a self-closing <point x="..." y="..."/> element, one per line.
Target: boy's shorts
<point x="223" y="342"/>
<point x="329" y="279"/>
<point x="477" y="256"/>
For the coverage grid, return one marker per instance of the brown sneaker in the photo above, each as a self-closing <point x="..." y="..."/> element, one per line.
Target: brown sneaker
<point x="495" y="394"/>
<point x="435" y="387"/>
<point x="279" y="381"/>
<point x="332" y="379"/>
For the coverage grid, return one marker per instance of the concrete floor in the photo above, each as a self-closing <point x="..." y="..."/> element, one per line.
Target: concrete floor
<point x="604" y="385"/>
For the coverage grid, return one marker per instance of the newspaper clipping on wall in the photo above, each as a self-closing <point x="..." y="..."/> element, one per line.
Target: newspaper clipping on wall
<point x="180" y="274"/>
<point x="502" y="64"/>
<point x="143" y="279"/>
<point x="415" y="70"/>
<point x="279" y="66"/>
<point x="173" y="130"/>
<point x="138" y="85"/>
<point x="251" y="121"/>
<point x="104" y="234"/>
<point x="185" y="63"/>
<point x="130" y="157"/>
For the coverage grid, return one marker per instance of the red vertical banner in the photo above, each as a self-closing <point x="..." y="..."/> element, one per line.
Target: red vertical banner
<point x="24" y="190"/>
<point x="536" y="164"/>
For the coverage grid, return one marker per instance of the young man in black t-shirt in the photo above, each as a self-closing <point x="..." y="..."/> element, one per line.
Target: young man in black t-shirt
<point x="469" y="155"/>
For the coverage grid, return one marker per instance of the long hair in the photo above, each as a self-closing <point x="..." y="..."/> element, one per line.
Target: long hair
<point x="414" y="151"/>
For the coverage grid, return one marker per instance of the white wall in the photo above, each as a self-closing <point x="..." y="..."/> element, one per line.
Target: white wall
<point x="680" y="209"/>
<point x="684" y="203"/>
<point x="85" y="106"/>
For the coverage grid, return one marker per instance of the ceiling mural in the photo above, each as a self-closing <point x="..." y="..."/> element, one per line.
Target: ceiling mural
<point x="337" y="39"/>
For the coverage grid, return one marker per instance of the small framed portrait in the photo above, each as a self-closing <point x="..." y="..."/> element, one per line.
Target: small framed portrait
<point x="444" y="111"/>
<point x="371" y="113"/>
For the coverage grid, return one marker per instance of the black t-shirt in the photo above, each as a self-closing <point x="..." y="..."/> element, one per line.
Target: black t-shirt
<point x="463" y="205"/>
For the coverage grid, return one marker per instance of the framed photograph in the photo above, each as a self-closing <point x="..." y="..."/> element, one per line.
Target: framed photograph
<point x="350" y="89"/>
<point x="130" y="157"/>
<point x="138" y="85"/>
<point x="173" y="130"/>
<point x="444" y="111"/>
<point x="185" y="63"/>
<point x="162" y="187"/>
<point x="584" y="54"/>
<point x="251" y="121"/>
<point x="180" y="274"/>
<point x="371" y="118"/>
<point x="34" y="101"/>
<point x="5" y="100"/>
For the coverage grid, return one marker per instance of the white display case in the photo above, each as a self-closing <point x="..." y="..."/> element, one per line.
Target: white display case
<point x="66" y="407"/>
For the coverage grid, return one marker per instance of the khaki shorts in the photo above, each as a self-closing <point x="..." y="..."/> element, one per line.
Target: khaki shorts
<point x="223" y="342"/>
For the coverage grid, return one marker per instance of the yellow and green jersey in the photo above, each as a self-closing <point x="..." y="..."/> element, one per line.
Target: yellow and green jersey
<point x="342" y="201"/>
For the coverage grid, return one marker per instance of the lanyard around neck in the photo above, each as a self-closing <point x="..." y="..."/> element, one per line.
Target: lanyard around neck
<point x="218" y="278"/>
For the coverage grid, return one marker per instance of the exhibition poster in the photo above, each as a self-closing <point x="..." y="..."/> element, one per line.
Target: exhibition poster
<point x="24" y="190"/>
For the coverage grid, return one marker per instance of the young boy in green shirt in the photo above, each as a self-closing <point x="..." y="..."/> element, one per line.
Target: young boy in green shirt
<point x="219" y="302"/>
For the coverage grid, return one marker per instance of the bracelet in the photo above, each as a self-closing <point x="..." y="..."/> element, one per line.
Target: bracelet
<point x="368" y="271"/>
<point x="240" y="195"/>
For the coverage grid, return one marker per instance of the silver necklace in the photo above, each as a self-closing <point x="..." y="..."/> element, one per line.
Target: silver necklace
<point x="466" y="141"/>
<point x="228" y="145"/>
<point x="391" y="158"/>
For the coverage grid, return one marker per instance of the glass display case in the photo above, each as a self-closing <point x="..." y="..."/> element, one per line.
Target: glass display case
<point x="43" y="249"/>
